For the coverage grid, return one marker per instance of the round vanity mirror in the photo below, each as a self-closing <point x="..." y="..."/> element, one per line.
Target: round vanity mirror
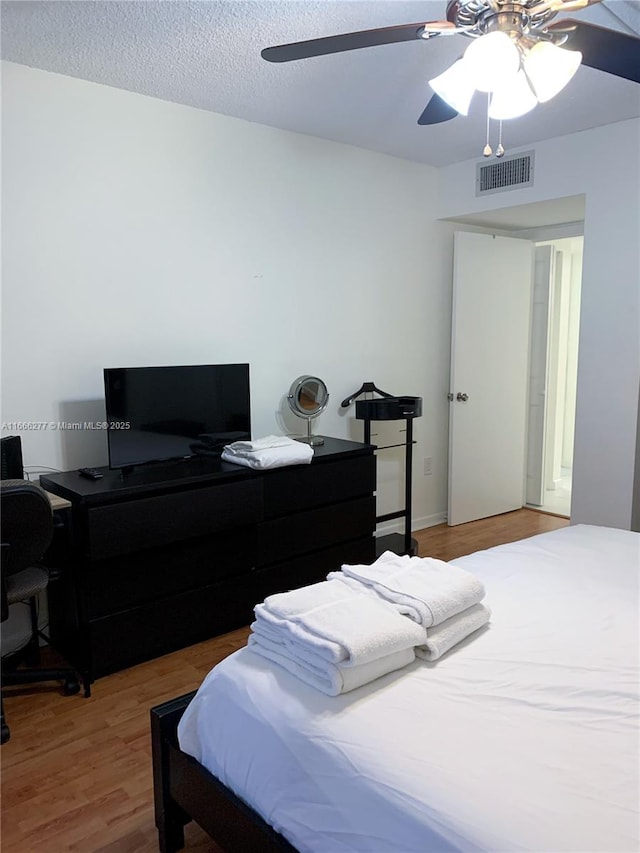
<point x="308" y="397"/>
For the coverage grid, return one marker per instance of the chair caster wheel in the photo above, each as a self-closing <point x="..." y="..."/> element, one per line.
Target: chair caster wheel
<point x="5" y="734"/>
<point x="71" y="687"/>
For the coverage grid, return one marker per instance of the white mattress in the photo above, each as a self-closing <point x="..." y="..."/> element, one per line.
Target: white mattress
<point x="525" y="737"/>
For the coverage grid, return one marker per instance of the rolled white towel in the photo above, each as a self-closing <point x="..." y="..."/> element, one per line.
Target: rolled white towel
<point x="296" y="453"/>
<point x="339" y="623"/>
<point x="331" y="679"/>
<point x="423" y="588"/>
<point x="452" y="631"/>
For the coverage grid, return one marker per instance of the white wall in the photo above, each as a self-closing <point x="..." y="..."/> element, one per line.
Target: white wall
<point x="604" y="164"/>
<point x="137" y="231"/>
<point x="140" y="232"/>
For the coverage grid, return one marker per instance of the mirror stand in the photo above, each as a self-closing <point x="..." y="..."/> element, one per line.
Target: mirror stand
<point x="313" y="440"/>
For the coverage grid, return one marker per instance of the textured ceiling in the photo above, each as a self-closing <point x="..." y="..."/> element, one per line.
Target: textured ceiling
<point x="207" y="55"/>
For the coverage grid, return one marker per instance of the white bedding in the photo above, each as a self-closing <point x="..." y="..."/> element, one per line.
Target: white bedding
<point x="524" y="737"/>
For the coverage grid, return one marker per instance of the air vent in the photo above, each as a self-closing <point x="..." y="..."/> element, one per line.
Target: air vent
<point x="510" y="173"/>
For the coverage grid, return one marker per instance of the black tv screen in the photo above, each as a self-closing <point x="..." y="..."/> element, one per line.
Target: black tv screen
<point x="161" y="413"/>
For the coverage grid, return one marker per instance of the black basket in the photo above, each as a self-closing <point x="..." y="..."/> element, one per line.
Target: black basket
<point x="389" y="409"/>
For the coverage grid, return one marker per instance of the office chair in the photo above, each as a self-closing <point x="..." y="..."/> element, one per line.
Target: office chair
<point x="26" y="530"/>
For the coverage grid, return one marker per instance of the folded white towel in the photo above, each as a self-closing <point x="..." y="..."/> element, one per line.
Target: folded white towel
<point x="338" y="623"/>
<point x="300" y="651"/>
<point x="425" y="589"/>
<point x="302" y="655"/>
<point x="332" y="679"/>
<point x="296" y="453"/>
<point x="298" y="601"/>
<point x="301" y="645"/>
<point x="297" y="639"/>
<point x="243" y="447"/>
<point x="452" y="631"/>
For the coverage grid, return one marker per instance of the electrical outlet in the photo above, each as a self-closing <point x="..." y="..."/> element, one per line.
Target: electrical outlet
<point x="428" y="465"/>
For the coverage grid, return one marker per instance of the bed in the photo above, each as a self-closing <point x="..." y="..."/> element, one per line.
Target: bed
<point x="523" y="737"/>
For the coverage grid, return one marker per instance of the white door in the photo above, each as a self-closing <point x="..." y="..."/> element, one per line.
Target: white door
<point x="536" y="422"/>
<point x="489" y="364"/>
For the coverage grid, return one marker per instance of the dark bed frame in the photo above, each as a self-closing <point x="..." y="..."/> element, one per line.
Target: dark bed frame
<point x="184" y="790"/>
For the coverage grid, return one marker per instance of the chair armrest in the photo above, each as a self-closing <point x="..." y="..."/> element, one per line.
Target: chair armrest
<point x="4" y="604"/>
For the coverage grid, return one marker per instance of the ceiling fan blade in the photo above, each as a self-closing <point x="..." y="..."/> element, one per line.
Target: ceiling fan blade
<point x="437" y="111"/>
<point x="559" y="6"/>
<point x="349" y="41"/>
<point x="443" y="28"/>
<point x="606" y="50"/>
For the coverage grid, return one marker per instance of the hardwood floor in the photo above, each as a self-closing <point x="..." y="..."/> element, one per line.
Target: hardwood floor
<point x="447" y="543"/>
<point x="76" y="774"/>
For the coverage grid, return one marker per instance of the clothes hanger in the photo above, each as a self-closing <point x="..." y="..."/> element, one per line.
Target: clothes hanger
<point x="364" y="388"/>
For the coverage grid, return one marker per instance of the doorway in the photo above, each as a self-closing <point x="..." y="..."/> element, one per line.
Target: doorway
<point x="553" y="374"/>
<point x="490" y="330"/>
<point x="552" y="226"/>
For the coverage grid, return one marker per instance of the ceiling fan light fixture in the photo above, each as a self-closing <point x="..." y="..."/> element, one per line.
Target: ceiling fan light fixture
<point x="549" y="68"/>
<point x="491" y="59"/>
<point x="513" y="99"/>
<point x="455" y="86"/>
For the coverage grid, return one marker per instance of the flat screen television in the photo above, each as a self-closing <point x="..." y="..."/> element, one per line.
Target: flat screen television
<point x="157" y="414"/>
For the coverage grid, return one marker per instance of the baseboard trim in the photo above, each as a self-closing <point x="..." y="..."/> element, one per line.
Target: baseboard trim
<point x="429" y="520"/>
<point x="397" y="526"/>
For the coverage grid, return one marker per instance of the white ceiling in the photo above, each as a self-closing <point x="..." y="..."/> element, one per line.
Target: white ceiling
<point x="207" y="54"/>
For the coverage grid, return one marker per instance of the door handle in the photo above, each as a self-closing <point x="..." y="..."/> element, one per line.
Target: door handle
<point x="462" y="398"/>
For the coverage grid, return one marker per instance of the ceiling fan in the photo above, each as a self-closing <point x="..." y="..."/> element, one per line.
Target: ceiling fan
<point x="516" y="55"/>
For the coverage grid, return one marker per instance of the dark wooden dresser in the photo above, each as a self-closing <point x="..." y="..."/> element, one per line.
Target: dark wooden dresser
<point x="172" y="554"/>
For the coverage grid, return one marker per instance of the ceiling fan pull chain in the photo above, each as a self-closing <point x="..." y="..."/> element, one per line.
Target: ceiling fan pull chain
<point x="488" y="150"/>
<point x="500" y="148"/>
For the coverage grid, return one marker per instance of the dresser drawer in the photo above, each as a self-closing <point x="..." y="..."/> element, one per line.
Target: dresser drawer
<point x="132" y="636"/>
<point x="281" y="538"/>
<point x="136" y="525"/>
<point x="289" y="490"/>
<point x="129" y="580"/>
<point x="311" y="568"/>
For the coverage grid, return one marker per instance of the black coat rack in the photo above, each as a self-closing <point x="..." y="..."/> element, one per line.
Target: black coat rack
<point x="391" y="408"/>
